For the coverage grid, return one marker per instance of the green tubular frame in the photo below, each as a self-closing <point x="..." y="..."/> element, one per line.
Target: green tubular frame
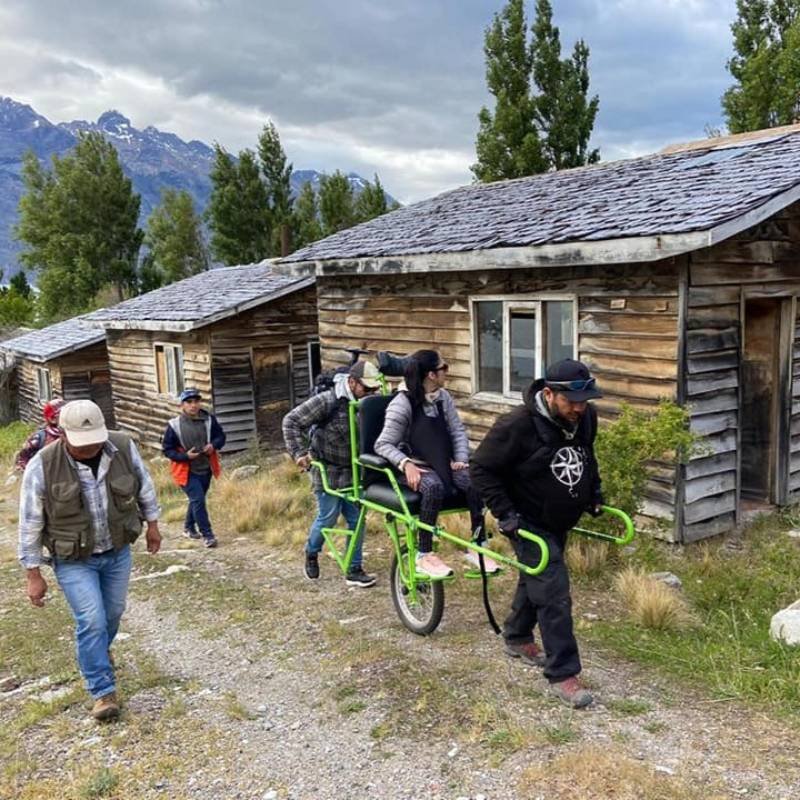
<point x="411" y="524"/>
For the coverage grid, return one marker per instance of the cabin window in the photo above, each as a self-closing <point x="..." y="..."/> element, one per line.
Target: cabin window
<point x="516" y="339"/>
<point x="43" y="385"/>
<point x="314" y="362"/>
<point x="169" y="368"/>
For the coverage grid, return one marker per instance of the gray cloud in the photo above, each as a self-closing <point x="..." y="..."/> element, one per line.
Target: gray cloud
<point x="358" y="84"/>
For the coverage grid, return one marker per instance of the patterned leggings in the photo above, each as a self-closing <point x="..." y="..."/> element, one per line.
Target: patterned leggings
<point x="433" y="496"/>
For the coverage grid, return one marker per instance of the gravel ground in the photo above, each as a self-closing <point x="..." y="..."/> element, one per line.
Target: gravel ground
<point x="276" y="687"/>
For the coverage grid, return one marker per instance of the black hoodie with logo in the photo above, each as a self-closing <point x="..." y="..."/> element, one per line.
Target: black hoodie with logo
<point x="528" y="464"/>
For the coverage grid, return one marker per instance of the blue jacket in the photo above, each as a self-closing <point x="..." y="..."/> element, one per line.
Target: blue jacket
<point x="172" y="446"/>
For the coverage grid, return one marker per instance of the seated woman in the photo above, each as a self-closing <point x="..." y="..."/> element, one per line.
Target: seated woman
<point x="425" y="439"/>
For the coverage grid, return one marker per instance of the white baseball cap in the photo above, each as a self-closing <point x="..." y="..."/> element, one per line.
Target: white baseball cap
<point x="83" y="424"/>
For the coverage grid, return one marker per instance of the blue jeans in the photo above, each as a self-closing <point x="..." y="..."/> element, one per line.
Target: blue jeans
<point x="327" y="516"/>
<point x="197" y="514"/>
<point x="96" y="589"/>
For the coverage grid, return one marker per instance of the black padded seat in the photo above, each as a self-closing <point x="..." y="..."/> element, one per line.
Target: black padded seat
<point x="385" y="495"/>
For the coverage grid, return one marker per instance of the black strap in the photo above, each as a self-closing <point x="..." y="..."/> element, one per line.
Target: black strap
<point x="476" y="537"/>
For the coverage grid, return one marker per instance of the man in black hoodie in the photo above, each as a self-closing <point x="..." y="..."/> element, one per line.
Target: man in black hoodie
<point x="536" y="470"/>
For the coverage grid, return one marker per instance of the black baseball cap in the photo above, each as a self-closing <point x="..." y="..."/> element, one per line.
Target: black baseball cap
<point x="572" y="379"/>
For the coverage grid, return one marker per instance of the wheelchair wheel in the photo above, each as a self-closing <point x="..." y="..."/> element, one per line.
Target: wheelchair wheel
<point x="423" y="616"/>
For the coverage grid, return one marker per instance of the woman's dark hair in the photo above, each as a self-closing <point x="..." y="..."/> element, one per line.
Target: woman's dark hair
<point x="419" y="365"/>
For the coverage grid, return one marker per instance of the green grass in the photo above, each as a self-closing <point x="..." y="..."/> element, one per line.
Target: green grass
<point x="12" y="437"/>
<point x="629" y="708"/>
<point x="101" y="784"/>
<point x="734" y="596"/>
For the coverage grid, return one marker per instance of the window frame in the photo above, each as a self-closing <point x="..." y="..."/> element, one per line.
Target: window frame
<point x="44" y="373"/>
<point x="512" y="303"/>
<point x="174" y="373"/>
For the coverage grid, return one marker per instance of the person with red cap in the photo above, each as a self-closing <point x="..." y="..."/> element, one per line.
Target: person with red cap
<point x="42" y="437"/>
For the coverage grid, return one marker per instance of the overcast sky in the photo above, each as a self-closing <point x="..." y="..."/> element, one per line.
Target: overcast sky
<point x="392" y="86"/>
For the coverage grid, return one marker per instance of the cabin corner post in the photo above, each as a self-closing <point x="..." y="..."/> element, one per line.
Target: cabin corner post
<point x="681" y="393"/>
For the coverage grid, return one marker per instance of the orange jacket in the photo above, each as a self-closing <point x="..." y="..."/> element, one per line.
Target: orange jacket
<point x="180" y="469"/>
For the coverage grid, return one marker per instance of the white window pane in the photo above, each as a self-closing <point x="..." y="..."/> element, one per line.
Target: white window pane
<point x="490" y="345"/>
<point x="178" y="351"/>
<point x="560" y="326"/>
<point x="523" y="350"/>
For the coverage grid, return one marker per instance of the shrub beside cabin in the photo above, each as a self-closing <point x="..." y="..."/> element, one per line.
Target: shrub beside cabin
<point x="244" y="336"/>
<point x="674" y="275"/>
<point x="68" y="360"/>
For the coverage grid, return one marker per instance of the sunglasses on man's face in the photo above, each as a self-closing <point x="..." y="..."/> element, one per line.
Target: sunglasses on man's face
<point x="571" y="386"/>
<point x="368" y="389"/>
<point x="442" y="368"/>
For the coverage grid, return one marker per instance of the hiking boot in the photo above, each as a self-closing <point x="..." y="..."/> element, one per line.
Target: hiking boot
<point x="312" y="566"/>
<point x="210" y="541"/>
<point x="491" y="566"/>
<point x="357" y="577"/>
<point x="572" y="692"/>
<point x="429" y="565"/>
<point x="192" y="534"/>
<point x="106" y="707"/>
<point x="530" y="653"/>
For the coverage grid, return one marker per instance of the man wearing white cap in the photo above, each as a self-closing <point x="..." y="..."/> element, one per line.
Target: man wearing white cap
<point x="84" y="498"/>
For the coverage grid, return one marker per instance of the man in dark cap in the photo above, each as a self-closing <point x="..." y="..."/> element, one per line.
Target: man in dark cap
<point x="192" y="442"/>
<point x="536" y="470"/>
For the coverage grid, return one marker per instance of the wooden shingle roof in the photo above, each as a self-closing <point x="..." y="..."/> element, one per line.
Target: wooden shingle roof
<point x="200" y="300"/>
<point x="638" y="209"/>
<point x="54" y="340"/>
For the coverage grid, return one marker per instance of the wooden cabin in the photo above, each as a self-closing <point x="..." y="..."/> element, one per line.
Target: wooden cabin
<point x="674" y="275"/>
<point x="244" y="336"/>
<point x="68" y="360"/>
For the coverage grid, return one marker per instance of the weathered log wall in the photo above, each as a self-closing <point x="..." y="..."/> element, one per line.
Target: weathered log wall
<point x="83" y="374"/>
<point x="627" y="332"/>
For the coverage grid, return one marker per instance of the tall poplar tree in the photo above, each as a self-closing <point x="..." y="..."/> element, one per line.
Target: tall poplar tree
<point x="277" y="179"/>
<point x="543" y="117"/>
<point x="766" y="66"/>
<point x="79" y="222"/>
<point x="508" y="143"/>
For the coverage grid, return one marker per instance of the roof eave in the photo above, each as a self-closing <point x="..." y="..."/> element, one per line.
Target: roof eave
<point x="185" y="326"/>
<point x="56" y="353"/>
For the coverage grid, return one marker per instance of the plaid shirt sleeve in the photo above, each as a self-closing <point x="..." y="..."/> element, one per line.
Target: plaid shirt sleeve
<point x="31" y="514"/>
<point x="148" y="501"/>
<point x="299" y="420"/>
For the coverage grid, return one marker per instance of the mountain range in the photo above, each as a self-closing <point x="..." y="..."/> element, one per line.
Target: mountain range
<point x="154" y="160"/>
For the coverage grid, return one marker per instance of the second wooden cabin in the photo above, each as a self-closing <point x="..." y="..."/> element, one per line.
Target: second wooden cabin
<point x="674" y="275"/>
<point x="244" y="336"/>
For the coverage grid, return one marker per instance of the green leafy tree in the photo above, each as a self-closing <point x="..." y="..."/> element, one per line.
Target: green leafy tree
<point x="543" y="117"/>
<point x="766" y="66"/>
<point x="238" y="210"/>
<point x="19" y="283"/>
<point x="277" y="178"/>
<point x="371" y="202"/>
<point x="336" y="205"/>
<point x="175" y="239"/>
<point x="305" y="221"/>
<point x="508" y="143"/>
<point x="79" y="222"/>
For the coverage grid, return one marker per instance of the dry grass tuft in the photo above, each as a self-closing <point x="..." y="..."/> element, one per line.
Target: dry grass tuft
<point x="276" y="501"/>
<point x="587" y="557"/>
<point x="651" y="603"/>
<point x="594" y="774"/>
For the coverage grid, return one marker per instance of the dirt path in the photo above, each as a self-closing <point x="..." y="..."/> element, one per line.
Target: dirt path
<point x="243" y="680"/>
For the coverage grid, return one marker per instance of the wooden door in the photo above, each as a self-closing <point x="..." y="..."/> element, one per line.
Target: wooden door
<point x="234" y="399"/>
<point x="764" y="414"/>
<point x="273" y="392"/>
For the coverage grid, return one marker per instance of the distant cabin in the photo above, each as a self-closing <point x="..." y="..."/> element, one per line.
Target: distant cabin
<point x="68" y="359"/>
<point x="674" y="275"/>
<point x="244" y="336"/>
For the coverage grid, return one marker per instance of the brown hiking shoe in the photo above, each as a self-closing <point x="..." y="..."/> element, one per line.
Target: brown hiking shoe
<point x="572" y="692"/>
<point x="106" y="707"/>
<point x="530" y="653"/>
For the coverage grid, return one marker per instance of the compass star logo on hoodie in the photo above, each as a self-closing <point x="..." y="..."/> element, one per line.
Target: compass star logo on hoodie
<point x="567" y="466"/>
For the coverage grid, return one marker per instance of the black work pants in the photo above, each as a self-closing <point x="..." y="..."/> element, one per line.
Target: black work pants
<point x="545" y="599"/>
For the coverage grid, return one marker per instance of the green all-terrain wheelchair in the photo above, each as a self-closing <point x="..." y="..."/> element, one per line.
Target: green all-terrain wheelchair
<point x="418" y="599"/>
